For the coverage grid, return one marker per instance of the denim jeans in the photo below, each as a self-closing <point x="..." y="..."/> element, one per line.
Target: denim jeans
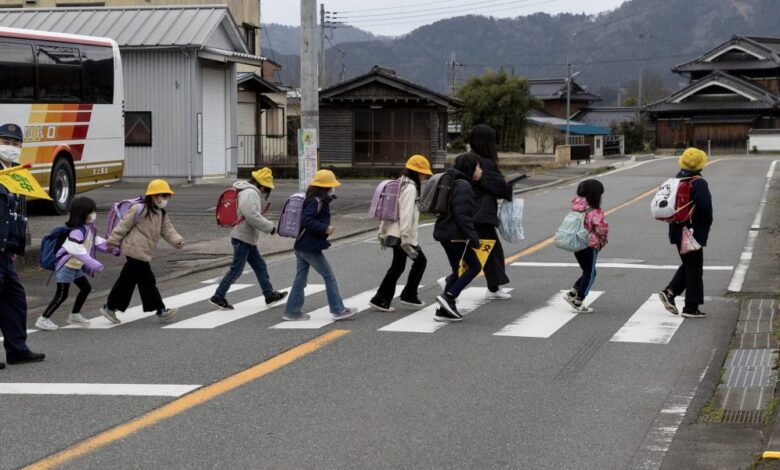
<point x="455" y="252"/>
<point x="587" y="261"/>
<point x="316" y="260"/>
<point x="243" y="252"/>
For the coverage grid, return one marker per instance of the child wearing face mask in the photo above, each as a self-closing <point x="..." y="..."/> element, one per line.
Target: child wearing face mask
<point x="137" y="237"/>
<point x="252" y="198"/>
<point x="75" y="260"/>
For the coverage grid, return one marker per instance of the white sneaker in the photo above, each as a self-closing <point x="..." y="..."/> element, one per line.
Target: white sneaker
<point x="500" y="294"/>
<point x="44" y="323"/>
<point x="78" y="320"/>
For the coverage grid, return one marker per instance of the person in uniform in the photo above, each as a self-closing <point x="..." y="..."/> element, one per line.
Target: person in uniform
<point x="13" y="232"/>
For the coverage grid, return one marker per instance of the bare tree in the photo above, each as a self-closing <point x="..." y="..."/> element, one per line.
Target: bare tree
<point x="543" y="135"/>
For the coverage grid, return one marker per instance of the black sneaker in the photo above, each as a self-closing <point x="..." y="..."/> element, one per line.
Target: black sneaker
<point x="2" y="365"/>
<point x="275" y="297"/>
<point x="668" y="301"/>
<point x="696" y="314"/>
<point x="381" y="306"/>
<point x="221" y="303"/>
<point x="447" y="302"/>
<point x="443" y="315"/>
<point x="412" y="302"/>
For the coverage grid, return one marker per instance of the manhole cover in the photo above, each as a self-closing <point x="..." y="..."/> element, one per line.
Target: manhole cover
<point x="743" y="417"/>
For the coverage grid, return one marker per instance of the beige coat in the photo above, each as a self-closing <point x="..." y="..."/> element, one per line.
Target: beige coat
<point x="408" y="216"/>
<point x="138" y="240"/>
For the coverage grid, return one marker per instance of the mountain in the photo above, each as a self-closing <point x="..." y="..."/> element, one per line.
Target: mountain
<point x="286" y="40"/>
<point x="605" y="48"/>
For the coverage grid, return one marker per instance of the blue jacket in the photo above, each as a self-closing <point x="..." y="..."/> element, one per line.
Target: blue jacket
<point x="702" y="212"/>
<point x="13" y="222"/>
<point x="315" y="220"/>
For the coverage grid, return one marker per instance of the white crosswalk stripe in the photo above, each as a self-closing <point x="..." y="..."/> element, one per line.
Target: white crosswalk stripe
<point x="422" y="321"/>
<point x="175" y="301"/>
<point x="323" y="317"/>
<point x="544" y="322"/>
<point x="651" y="323"/>
<point x="241" y="310"/>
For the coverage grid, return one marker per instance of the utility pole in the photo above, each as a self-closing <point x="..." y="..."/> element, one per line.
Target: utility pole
<point x="453" y="74"/>
<point x="568" y="86"/>
<point x="310" y="107"/>
<point x="641" y="73"/>
<point x="323" y="79"/>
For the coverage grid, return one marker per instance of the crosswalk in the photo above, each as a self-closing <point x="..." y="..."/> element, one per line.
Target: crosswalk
<point x="648" y="324"/>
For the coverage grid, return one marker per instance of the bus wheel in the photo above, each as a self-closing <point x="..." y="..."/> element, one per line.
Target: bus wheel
<point x="62" y="186"/>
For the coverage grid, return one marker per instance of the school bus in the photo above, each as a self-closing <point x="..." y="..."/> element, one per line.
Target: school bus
<point x="65" y="91"/>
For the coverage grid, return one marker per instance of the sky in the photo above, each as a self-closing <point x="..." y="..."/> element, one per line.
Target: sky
<point x="395" y="17"/>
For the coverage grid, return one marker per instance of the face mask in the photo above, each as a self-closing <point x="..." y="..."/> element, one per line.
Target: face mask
<point x="9" y="153"/>
<point x="91" y="217"/>
<point x="162" y="204"/>
<point x="332" y="192"/>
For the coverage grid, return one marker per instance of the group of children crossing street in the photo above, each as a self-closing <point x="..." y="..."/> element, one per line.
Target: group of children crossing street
<point x="465" y="200"/>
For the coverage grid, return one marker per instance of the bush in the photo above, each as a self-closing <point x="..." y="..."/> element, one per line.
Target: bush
<point x="457" y="145"/>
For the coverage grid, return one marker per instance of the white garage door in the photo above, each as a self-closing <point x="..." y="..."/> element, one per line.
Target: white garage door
<point x="247" y="141"/>
<point x="214" y="116"/>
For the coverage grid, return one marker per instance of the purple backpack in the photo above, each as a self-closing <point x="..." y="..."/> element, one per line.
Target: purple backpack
<point x="118" y="210"/>
<point x="384" y="204"/>
<point x="290" y="218"/>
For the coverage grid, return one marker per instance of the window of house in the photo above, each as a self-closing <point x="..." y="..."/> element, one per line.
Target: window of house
<point x="17" y="72"/>
<point x="250" y="36"/>
<point x="390" y="136"/>
<point x="59" y="73"/>
<point x="274" y="122"/>
<point x="138" y="129"/>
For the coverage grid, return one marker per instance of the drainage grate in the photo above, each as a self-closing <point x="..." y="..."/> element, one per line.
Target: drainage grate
<point x="743" y="417"/>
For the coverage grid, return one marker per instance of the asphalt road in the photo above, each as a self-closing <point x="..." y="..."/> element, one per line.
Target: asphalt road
<point x="604" y="391"/>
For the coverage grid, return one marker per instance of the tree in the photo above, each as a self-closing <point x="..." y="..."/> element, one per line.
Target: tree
<point x="500" y="101"/>
<point x="653" y="89"/>
<point x="543" y="135"/>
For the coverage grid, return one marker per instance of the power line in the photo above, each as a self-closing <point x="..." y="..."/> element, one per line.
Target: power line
<point x="436" y="16"/>
<point x="345" y="15"/>
<point x="400" y="6"/>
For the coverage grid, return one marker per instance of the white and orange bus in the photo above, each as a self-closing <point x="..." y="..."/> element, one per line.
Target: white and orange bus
<point x="66" y="92"/>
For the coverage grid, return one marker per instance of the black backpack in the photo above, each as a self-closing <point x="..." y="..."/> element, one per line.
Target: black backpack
<point x="436" y="195"/>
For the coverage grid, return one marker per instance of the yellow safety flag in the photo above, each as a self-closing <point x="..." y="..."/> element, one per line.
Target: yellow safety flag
<point x="485" y="247"/>
<point x="19" y="180"/>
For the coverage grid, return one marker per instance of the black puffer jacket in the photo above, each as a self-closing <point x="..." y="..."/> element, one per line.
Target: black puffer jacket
<point x="491" y="187"/>
<point x="459" y="224"/>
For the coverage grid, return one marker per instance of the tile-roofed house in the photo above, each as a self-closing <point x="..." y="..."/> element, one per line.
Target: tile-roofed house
<point x="378" y="120"/>
<point x="551" y="92"/>
<point x="735" y="87"/>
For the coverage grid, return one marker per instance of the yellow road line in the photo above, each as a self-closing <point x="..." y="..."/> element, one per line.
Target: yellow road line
<point x="180" y="405"/>
<point x="770" y="454"/>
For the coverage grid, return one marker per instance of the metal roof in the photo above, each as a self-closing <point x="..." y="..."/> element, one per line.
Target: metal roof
<point x="575" y="127"/>
<point x="134" y="27"/>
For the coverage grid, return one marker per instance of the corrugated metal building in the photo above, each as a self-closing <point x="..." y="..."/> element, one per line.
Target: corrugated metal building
<point x="179" y="77"/>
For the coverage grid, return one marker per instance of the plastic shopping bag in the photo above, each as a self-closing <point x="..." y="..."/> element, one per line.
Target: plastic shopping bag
<point x="689" y="244"/>
<point x="510" y="220"/>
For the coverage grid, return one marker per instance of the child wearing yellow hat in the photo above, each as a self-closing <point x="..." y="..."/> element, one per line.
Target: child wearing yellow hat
<point x="252" y="199"/>
<point x="137" y="237"/>
<point x="689" y="276"/>
<point x="315" y="230"/>
<point x="401" y="236"/>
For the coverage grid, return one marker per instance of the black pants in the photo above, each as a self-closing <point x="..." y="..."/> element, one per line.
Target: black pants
<point x="62" y="293"/>
<point x="135" y="272"/>
<point x="386" y="290"/>
<point x="13" y="309"/>
<point x="495" y="268"/>
<point x="456" y="251"/>
<point x="689" y="279"/>
<point x="587" y="261"/>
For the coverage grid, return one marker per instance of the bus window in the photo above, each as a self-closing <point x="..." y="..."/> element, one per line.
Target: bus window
<point x="98" y="65"/>
<point x="59" y="73"/>
<point x="17" y="72"/>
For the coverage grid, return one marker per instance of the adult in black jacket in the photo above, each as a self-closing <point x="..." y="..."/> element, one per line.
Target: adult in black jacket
<point x="457" y="235"/>
<point x="688" y="277"/>
<point x="488" y="190"/>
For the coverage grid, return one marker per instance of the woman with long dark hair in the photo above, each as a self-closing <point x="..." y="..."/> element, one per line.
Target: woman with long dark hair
<point x="401" y="236"/>
<point x="487" y="191"/>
